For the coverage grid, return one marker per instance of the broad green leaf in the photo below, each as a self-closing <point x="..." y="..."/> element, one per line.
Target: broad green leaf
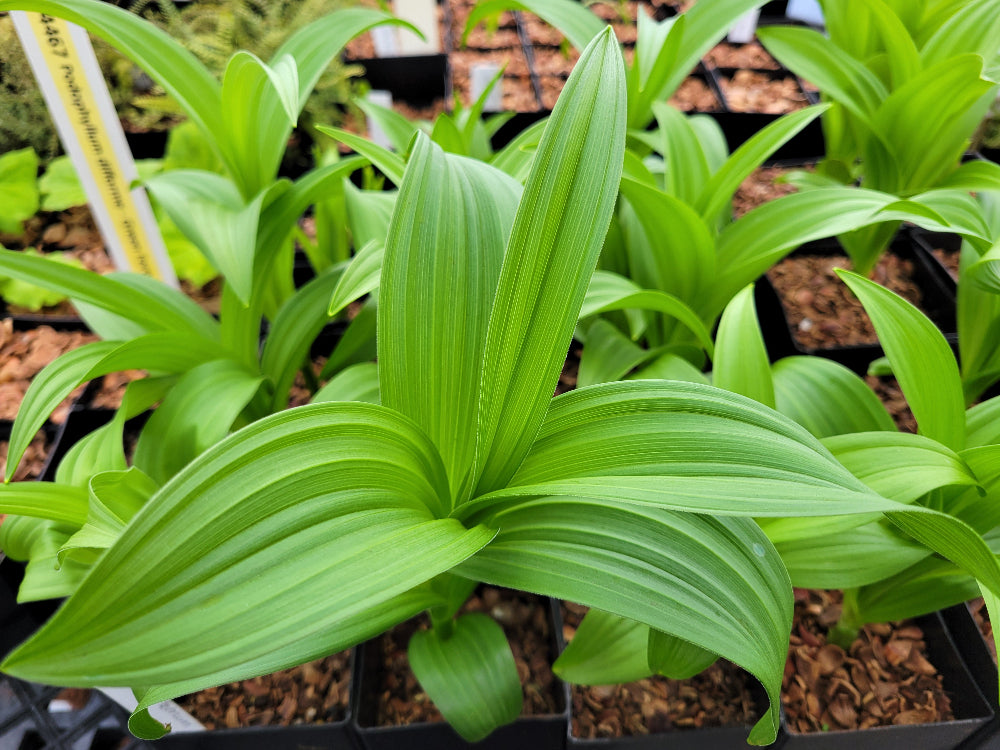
<point x="741" y="364"/>
<point x="38" y="541"/>
<point x="392" y="165"/>
<point x="676" y="658"/>
<point x="985" y="272"/>
<point x="819" y="60"/>
<point x="944" y="98"/>
<point x="670" y="366"/>
<point x="557" y="235"/>
<point x="293" y="332"/>
<point x="515" y="158"/>
<point x="607" y="649"/>
<point x="682" y="260"/>
<point x="847" y="558"/>
<point x="358" y="343"/>
<point x="607" y="355"/>
<point x="57" y="502"/>
<point x="469" y="673"/>
<point x="18" y="189"/>
<point x="212" y="213"/>
<point x="899" y="465"/>
<point x="398" y="129"/>
<point x="164" y="352"/>
<point x="717" y="583"/>
<point x="573" y="19"/>
<point x="973" y="176"/>
<point x="195" y="415"/>
<point x="982" y="423"/>
<point x="259" y="108"/>
<point x="608" y="292"/>
<point x="284" y="542"/>
<point x="826" y="398"/>
<point x="712" y="200"/>
<point x="110" y="292"/>
<point x="921" y="360"/>
<point x="685" y="166"/>
<point x="623" y="440"/>
<point x="113" y="322"/>
<point x="359" y="278"/>
<point x="974" y="28"/>
<point x="447" y="135"/>
<point x="442" y="261"/>
<point x="355" y="383"/>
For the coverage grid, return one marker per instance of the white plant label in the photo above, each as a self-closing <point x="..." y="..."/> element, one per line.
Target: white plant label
<point x="480" y="76"/>
<point x="375" y="133"/>
<point x="745" y="28"/>
<point x="70" y="79"/>
<point x="166" y="712"/>
<point x="385" y="42"/>
<point x="423" y="15"/>
<point x="805" y="10"/>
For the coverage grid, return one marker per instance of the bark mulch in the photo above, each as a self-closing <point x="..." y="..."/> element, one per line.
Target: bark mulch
<point x="525" y="620"/>
<point x="884" y="678"/>
<point x="718" y="697"/>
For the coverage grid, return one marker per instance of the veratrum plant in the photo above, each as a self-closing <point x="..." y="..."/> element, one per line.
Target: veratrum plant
<point x="952" y="465"/>
<point x="314" y="529"/>
<point x="665" y="51"/>
<point x="675" y="256"/>
<point x="909" y="82"/>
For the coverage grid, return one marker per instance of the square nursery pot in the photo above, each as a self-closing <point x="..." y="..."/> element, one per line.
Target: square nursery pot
<point x="936" y="287"/>
<point x="333" y="735"/>
<point x="545" y="732"/>
<point x="973" y="713"/>
<point x="979" y="661"/>
<point x="706" y="738"/>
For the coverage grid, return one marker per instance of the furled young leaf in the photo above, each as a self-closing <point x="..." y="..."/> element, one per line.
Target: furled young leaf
<point x="435" y="295"/>
<point x="333" y="492"/>
<point x="741" y="364"/>
<point x="558" y="232"/>
<point x="468" y="670"/>
<point x="921" y="360"/>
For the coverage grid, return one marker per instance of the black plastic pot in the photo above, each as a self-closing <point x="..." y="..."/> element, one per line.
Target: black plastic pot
<point x="805" y="147"/>
<point x="937" y="287"/>
<point x="23" y="321"/>
<point x="527" y="733"/>
<point x="972" y="711"/>
<point x="979" y="661"/>
<point x="709" y="738"/>
<point x="418" y="80"/>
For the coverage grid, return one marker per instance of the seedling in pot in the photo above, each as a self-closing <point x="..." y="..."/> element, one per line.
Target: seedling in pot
<point x="316" y="528"/>
<point x="908" y="84"/>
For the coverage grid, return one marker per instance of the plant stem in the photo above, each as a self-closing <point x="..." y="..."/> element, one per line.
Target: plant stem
<point x="845" y="632"/>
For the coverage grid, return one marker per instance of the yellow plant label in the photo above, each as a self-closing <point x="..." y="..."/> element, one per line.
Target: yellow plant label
<point x="66" y="68"/>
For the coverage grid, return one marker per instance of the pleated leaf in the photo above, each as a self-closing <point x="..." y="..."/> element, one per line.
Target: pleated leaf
<point x="281" y="544"/>
<point x="921" y="360"/>
<point x="469" y="673"/>
<point x="440" y="270"/>
<point x="606" y="650"/>
<point x="676" y="658"/>
<point x="717" y="583"/>
<point x="573" y="19"/>
<point x="741" y="363"/>
<point x="827" y="398"/>
<point x="558" y="233"/>
<point x="159" y="352"/>
<point x="56" y="502"/>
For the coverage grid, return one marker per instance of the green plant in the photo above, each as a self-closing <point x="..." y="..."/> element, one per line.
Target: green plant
<point x="909" y="82"/>
<point x="665" y="51"/>
<point x="676" y="257"/>
<point x="316" y="528"/>
<point x="18" y="189"/>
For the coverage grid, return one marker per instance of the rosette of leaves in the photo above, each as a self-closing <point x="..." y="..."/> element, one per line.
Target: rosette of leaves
<point x="319" y="527"/>
<point x="909" y="83"/>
